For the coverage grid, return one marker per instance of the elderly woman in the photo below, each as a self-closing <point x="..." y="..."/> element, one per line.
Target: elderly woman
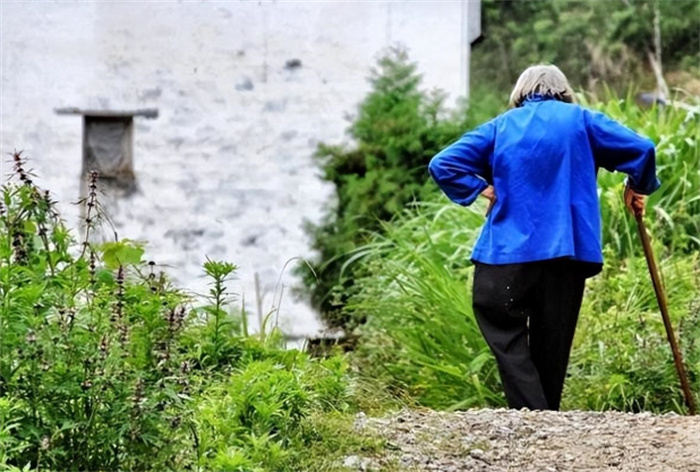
<point x="537" y="166"/>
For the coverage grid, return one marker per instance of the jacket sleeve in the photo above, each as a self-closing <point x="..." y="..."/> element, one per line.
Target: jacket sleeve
<point x="618" y="148"/>
<point x="462" y="170"/>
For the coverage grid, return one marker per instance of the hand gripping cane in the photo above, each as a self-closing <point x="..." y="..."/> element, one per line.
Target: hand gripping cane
<point x="661" y="299"/>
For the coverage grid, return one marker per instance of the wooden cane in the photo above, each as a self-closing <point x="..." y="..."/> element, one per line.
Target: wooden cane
<point x="661" y="299"/>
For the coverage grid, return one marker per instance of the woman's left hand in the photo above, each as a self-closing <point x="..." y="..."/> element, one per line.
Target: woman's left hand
<point x="635" y="202"/>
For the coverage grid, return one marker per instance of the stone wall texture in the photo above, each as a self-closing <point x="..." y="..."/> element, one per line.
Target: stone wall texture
<point x="226" y="170"/>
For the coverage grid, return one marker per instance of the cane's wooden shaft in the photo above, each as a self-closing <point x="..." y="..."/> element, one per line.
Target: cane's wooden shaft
<point x="661" y="299"/>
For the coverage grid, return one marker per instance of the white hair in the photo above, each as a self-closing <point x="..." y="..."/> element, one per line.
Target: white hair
<point x="545" y="80"/>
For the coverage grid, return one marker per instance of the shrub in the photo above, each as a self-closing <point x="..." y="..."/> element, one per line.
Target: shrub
<point x="88" y="357"/>
<point x="621" y="358"/>
<point x="593" y="42"/>
<point x="255" y="420"/>
<point x="397" y="130"/>
<point x="105" y="366"/>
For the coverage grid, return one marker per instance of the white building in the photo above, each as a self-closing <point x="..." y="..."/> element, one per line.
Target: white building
<point x="244" y="92"/>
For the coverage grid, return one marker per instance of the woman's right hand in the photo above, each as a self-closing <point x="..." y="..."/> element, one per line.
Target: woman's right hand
<point x="490" y="194"/>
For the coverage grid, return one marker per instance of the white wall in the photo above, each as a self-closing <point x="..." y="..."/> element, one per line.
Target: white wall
<point x="222" y="172"/>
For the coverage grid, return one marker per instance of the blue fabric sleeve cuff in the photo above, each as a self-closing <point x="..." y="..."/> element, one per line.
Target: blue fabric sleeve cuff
<point x="652" y="187"/>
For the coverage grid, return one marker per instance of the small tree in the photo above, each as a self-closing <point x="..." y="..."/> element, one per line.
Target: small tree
<point x="397" y="130"/>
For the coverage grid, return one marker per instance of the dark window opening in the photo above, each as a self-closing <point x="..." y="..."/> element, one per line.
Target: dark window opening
<point x="108" y="149"/>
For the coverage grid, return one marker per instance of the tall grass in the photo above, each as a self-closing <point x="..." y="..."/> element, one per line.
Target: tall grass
<point x="421" y="335"/>
<point x="621" y="357"/>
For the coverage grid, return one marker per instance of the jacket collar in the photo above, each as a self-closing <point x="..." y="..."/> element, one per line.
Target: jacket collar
<point x="536" y="97"/>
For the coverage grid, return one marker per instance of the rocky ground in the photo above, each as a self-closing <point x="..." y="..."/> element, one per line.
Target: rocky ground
<point x="523" y="441"/>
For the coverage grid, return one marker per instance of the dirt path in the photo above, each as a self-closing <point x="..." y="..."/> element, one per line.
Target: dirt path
<point x="523" y="441"/>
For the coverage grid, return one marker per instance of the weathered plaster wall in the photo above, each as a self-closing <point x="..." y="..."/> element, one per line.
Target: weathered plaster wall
<point x="226" y="170"/>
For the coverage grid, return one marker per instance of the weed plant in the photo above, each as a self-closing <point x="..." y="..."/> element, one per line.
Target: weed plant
<point x="88" y="359"/>
<point x="104" y="365"/>
<point x="621" y="358"/>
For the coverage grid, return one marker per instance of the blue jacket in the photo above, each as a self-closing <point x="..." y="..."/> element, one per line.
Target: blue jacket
<point x="542" y="159"/>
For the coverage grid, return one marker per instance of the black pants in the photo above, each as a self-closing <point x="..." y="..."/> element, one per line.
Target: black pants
<point x="528" y="314"/>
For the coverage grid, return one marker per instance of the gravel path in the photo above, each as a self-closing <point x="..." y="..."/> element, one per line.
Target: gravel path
<point x="524" y="441"/>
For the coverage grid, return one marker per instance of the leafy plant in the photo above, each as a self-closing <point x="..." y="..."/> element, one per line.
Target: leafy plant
<point x="106" y="366"/>
<point x="256" y="420"/>
<point x="621" y="358"/>
<point x="88" y="353"/>
<point x="593" y="42"/>
<point x="217" y="337"/>
<point x="398" y="128"/>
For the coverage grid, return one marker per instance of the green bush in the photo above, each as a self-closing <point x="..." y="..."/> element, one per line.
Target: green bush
<point x="254" y="421"/>
<point x="621" y="358"/>
<point x="105" y="366"/>
<point x="89" y="355"/>
<point x="593" y="42"/>
<point x="397" y="130"/>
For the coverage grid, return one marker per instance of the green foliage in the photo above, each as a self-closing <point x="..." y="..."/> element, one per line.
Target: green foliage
<point x="250" y="422"/>
<point x="413" y="287"/>
<point x="421" y="335"/>
<point x="88" y="355"/>
<point x="621" y="358"/>
<point x="285" y="411"/>
<point x="120" y="253"/>
<point x="220" y="329"/>
<point x="593" y="42"/>
<point x="397" y="130"/>
<point x="10" y="445"/>
<point x="105" y="366"/>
